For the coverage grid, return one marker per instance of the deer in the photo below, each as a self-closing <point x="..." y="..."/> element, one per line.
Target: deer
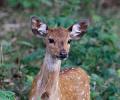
<point x="51" y="83"/>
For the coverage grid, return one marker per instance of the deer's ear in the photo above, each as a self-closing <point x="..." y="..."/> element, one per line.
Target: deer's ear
<point x="78" y="30"/>
<point x="38" y="27"/>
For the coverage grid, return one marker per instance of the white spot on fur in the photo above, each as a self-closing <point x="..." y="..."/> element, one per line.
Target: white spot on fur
<point x="82" y="93"/>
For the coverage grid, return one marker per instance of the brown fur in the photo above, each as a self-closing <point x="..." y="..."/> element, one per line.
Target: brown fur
<point x="50" y="83"/>
<point x="61" y="37"/>
<point x="74" y="84"/>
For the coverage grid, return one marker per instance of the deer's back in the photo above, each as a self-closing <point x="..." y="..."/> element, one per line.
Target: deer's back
<point x="74" y="85"/>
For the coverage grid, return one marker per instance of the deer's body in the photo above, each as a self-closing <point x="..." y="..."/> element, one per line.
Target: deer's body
<point x="50" y="83"/>
<point x="74" y="84"/>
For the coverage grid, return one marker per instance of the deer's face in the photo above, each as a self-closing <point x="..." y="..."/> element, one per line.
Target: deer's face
<point x="58" y="42"/>
<point x="58" y="39"/>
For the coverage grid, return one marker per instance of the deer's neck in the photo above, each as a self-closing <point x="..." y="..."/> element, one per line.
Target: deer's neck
<point x="51" y="64"/>
<point x="50" y="76"/>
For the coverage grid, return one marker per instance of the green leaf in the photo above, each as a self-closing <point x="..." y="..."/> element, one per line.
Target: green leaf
<point x="33" y="56"/>
<point x="7" y="95"/>
<point x="25" y="43"/>
<point x="118" y="72"/>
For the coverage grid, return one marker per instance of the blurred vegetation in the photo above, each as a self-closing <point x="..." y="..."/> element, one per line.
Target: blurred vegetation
<point x="98" y="52"/>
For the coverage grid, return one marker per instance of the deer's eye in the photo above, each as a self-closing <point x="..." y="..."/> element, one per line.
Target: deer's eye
<point x="51" y="41"/>
<point x="69" y="41"/>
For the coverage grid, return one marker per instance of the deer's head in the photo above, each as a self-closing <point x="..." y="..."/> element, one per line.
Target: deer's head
<point x="58" y="39"/>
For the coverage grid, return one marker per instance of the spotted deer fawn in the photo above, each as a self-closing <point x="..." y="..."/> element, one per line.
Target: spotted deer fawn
<point x="51" y="83"/>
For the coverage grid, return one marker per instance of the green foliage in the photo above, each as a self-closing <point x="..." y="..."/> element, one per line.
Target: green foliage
<point x="98" y="51"/>
<point x="7" y="95"/>
<point x="28" y="3"/>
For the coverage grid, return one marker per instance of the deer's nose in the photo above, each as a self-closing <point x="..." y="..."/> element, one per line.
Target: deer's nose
<point x="63" y="54"/>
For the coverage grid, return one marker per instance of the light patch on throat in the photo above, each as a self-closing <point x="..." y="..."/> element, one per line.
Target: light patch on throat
<point x="52" y="64"/>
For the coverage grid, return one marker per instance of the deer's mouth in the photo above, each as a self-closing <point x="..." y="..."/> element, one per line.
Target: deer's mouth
<point x="62" y="57"/>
